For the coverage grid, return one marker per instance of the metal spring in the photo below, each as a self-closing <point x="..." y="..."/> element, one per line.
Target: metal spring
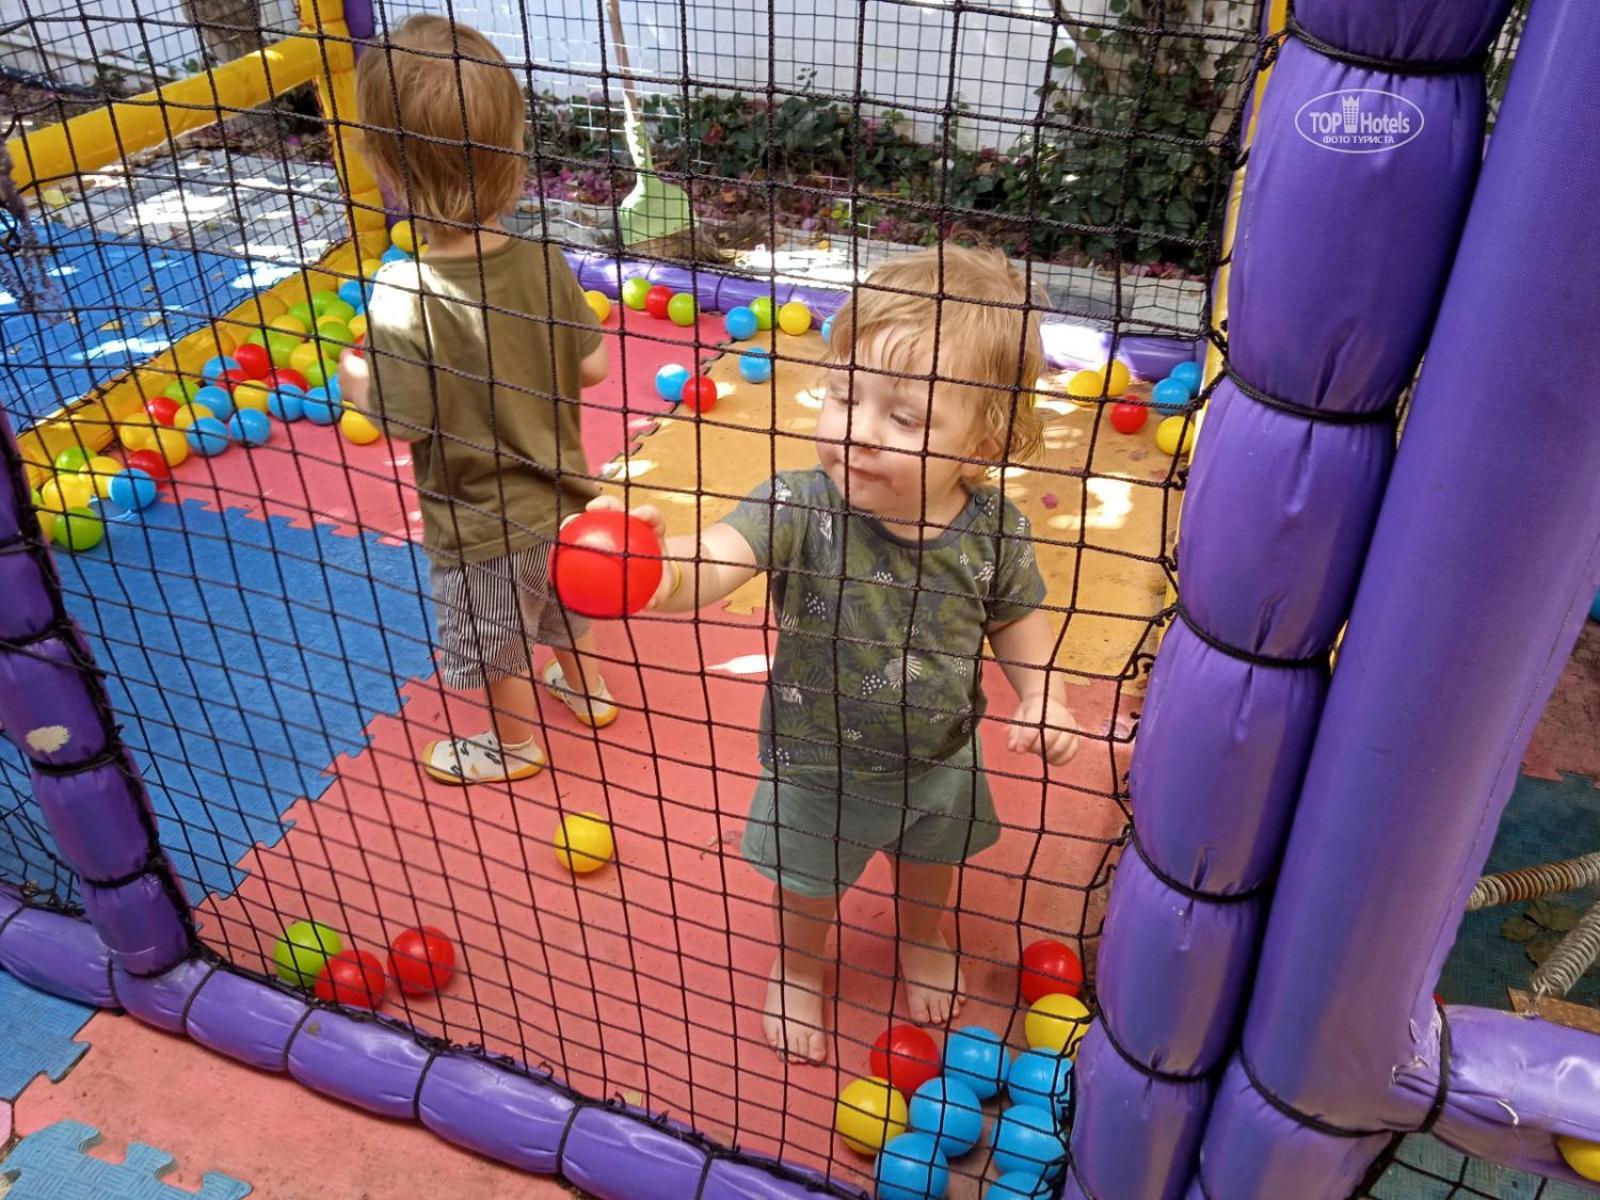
<point x="1529" y="883"/>
<point x="1574" y="955"/>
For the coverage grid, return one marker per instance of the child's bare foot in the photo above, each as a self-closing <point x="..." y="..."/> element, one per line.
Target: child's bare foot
<point x="793" y="1020"/>
<point x="935" y="986"/>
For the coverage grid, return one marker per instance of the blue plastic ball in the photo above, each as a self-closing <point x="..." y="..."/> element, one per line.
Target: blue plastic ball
<point x="1028" y="1138"/>
<point x="910" y="1167"/>
<point x="975" y="1056"/>
<point x="286" y="402"/>
<point x="948" y="1109"/>
<point x="1040" y="1078"/>
<point x="1020" y="1185"/>
<point x="132" y="489"/>
<point x="334" y="388"/>
<point x="827" y="330"/>
<point x="740" y="323"/>
<point x="394" y="254"/>
<point x="218" y="400"/>
<point x="1188" y="374"/>
<point x="250" y="426"/>
<point x="670" y="380"/>
<point x="1169" y="396"/>
<point x="214" y="368"/>
<point x="755" y="366"/>
<point x="208" y="436"/>
<point x="320" y="408"/>
<point x="353" y="293"/>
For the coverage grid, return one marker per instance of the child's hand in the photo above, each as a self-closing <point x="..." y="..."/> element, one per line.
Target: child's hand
<point x="1058" y="743"/>
<point x="651" y="516"/>
<point x="355" y="379"/>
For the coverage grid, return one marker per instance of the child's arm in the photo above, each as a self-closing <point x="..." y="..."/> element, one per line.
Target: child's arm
<point x="697" y="569"/>
<point x="594" y="368"/>
<point x="1042" y="723"/>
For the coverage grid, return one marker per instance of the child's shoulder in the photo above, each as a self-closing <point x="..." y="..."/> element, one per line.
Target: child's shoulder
<point x="807" y="484"/>
<point x="992" y="510"/>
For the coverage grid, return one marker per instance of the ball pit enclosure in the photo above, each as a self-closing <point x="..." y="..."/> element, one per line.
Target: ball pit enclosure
<point x="1265" y="1022"/>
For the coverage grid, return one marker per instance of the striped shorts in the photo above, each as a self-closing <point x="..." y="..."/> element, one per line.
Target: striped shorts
<point x="491" y="613"/>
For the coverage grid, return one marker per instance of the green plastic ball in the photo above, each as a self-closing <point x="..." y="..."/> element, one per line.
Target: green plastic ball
<point x="762" y="307"/>
<point x="281" y="347"/>
<point x="319" y="371"/>
<point x="682" y="309"/>
<point x="322" y="301"/>
<point x="634" y="292"/>
<point x="336" y="333"/>
<point x="302" y="950"/>
<point x="304" y="314"/>
<point x="70" y="461"/>
<point x="339" y="310"/>
<point x="182" y="390"/>
<point x="80" y="529"/>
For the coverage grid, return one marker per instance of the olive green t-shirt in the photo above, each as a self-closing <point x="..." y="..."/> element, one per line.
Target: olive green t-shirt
<point x="475" y="362"/>
<point x="879" y="635"/>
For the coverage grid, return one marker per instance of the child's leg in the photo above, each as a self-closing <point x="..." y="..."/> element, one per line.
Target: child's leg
<point x="793" y="1020"/>
<point x="513" y="709"/>
<point x="574" y="676"/>
<point x="935" y="987"/>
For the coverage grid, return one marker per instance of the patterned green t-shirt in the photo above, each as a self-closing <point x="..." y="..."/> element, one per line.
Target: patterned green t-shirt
<point x="879" y="636"/>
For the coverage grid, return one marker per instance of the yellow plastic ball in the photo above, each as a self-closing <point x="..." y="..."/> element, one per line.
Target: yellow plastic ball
<point x="358" y="428"/>
<point x="583" y="842"/>
<point x="404" y="235"/>
<point x="1171" y="432"/>
<point x="869" y="1112"/>
<point x="189" y="414"/>
<point x="599" y="304"/>
<point x="1056" y="1023"/>
<point x="1093" y="384"/>
<point x="358" y="325"/>
<point x="47" y="523"/>
<point x="794" y="318"/>
<point x="172" y="445"/>
<point x="304" y="355"/>
<point x="137" y="432"/>
<point x="369" y="267"/>
<point x="252" y="393"/>
<point x="66" y="491"/>
<point x="293" y="326"/>
<point x="1583" y="1157"/>
<point x="99" y="469"/>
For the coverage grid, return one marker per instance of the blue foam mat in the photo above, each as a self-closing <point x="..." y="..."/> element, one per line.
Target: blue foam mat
<point x="242" y="657"/>
<point x="36" y="1032"/>
<point x="52" y="1165"/>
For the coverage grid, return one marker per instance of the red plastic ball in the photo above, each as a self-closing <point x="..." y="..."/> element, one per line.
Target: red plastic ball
<point x="906" y="1056"/>
<point x="285" y="375"/>
<point x="422" y="960"/>
<point x="606" y="564"/>
<point x="161" y="409"/>
<point x="254" y="361"/>
<point x="1129" y="418"/>
<point x="1048" y="968"/>
<point x="656" y="301"/>
<point x="230" y="379"/>
<point x="700" y="393"/>
<point x="152" y="464"/>
<point x="353" y="977"/>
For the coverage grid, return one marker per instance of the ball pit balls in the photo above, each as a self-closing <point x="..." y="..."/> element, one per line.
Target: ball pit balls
<point x="1020" y="1185"/>
<point x="906" y="1056"/>
<point x="794" y="318"/>
<point x="755" y="366"/>
<point x="1175" y="435"/>
<point x="229" y="381"/>
<point x="293" y="326"/>
<point x="304" y="313"/>
<point x="340" y="310"/>
<point x="393" y="254"/>
<point x="354" y="978"/>
<point x="99" y="470"/>
<point x="911" y="1168"/>
<point x="358" y="428"/>
<point x="583" y="842"/>
<point x="700" y="394"/>
<point x="634" y="292"/>
<point x="151" y="463"/>
<point x="764" y="311"/>
<point x="172" y="445"/>
<point x="740" y="323"/>
<point x="137" y="432"/>
<point x="322" y="301"/>
<point x="320" y="408"/>
<point x="208" y="436"/>
<point x="250" y="427"/>
<point x="353" y="294"/>
<point x="132" y="490"/>
<point x="300" y="953"/>
<point x="827" y="330"/>
<point x="181" y="390"/>
<point x="1188" y="374"/>
<point x="254" y="361"/>
<point x="305" y="355"/>
<point x="79" y="529"/>
<point x="287" y="403"/>
<point x="976" y="1057"/>
<point x="948" y="1110"/>
<point x="287" y="376"/>
<point x="606" y="564"/>
<point x="358" y="327"/>
<point x="218" y="400"/>
<point x="1129" y="418"/>
<point x="1056" y="1023"/>
<point x="320" y="373"/>
<point x="1050" y="966"/>
<point x="682" y="309"/>
<point x="656" y="301"/>
<point x="403" y="236"/>
<point x="1040" y="1078"/>
<point x="1029" y="1139"/>
<point x="215" y="368"/>
<point x="599" y="304"/>
<point x="335" y="333"/>
<point x="162" y="409"/>
<point x="670" y="380"/>
<point x="422" y="960"/>
<point x="868" y="1114"/>
<point x="1583" y="1157"/>
<point x="66" y="491"/>
<point x="252" y="394"/>
<point x="188" y="414"/>
<point x="72" y="460"/>
<point x="1169" y="396"/>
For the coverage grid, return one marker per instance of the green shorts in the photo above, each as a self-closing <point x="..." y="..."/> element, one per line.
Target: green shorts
<point x="806" y="837"/>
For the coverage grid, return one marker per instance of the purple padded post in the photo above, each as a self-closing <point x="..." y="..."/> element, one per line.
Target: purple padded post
<point x="1481" y="570"/>
<point x="55" y="709"/>
<point x="1357" y="189"/>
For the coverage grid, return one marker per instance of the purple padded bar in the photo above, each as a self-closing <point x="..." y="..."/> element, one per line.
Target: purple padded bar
<point x="487" y="1109"/>
<point x="1481" y="570"/>
<point x="53" y="953"/>
<point x="1339" y="261"/>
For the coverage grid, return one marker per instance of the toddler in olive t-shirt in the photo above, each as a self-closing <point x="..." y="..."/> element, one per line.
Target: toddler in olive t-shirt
<point x="477" y="354"/>
<point x="889" y="564"/>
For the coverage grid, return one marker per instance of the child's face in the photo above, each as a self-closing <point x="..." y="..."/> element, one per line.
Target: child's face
<point x="887" y="447"/>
